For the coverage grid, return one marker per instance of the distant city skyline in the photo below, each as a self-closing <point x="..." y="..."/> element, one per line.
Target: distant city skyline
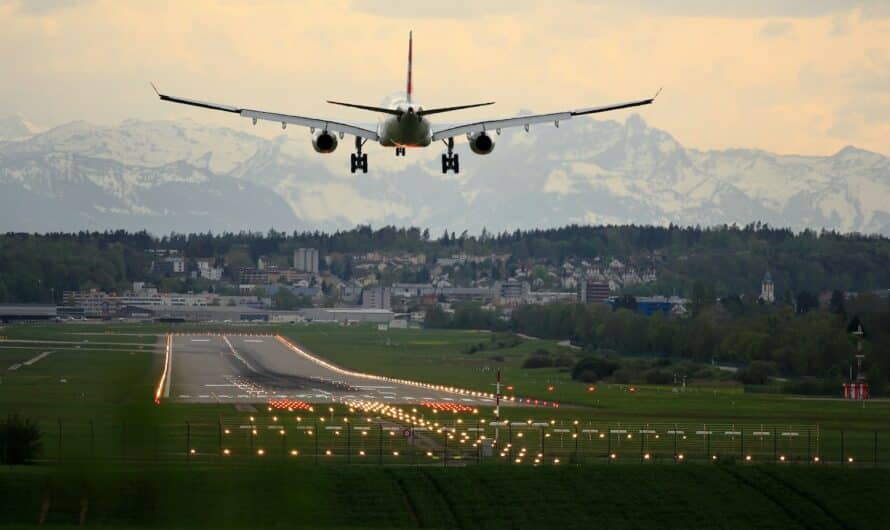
<point x="788" y="76"/>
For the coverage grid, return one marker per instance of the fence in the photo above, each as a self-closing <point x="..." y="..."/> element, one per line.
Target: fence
<point x="453" y="442"/>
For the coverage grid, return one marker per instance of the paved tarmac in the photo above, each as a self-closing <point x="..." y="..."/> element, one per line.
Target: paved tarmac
<point x="256" y="369"/>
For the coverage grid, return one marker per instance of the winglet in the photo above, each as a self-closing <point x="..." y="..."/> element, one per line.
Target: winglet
<point x="154" y="88"/>
<point x="657" y="93"/>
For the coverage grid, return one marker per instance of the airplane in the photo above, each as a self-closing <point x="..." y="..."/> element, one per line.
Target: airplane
<point x="404" y="124"/>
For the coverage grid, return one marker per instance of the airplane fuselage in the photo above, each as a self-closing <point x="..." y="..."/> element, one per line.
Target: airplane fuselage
<point x="406" y="130"/>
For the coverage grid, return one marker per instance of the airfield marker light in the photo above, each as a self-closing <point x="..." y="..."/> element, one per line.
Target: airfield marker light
<point x="361" y="452"/>
<point x="816" y="459"/>
<point x="274" y="418"/>
<point x="591" y="389"/>
<point x="226" y="452"/>
<point x="629" y="436"/>
<point x="714" y="457"/>
<point x="613" y="456"/>
<point x="680" y="456"/>
<point x="850" y="459"/>
<point x="311" y="409"/>
<point x="253" y="431"/>
<point x="782" y="458"/>
<point x="550" y="388"/>
<point x="574" y="435"/>
<point x="192" y="451"/>
<point x="260" y="452"/>
<point x="395" y="453"/>
<point x="364" y="433"/>
<point x="270" y="409"/>
<point x="748" y="458"/>
<point x="327" y="452"/>
<point x="227" y="431"/>
<point x="281" y="432"/>
<point x="647" y="456"/>
<point x="518" y="460"/>
<point x="429" y="453"/>
<point x="294" y="452"/>
<point x="251" y="419"/>
<point x="309" y="433"/>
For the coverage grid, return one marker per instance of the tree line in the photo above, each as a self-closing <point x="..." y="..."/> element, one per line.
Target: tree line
<point x="762" y="340"/>
<point x="726" y="259"/>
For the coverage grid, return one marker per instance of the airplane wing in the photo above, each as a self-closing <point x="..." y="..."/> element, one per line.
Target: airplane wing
<point x="525" y="121"/>
<point x="283" y="119"/>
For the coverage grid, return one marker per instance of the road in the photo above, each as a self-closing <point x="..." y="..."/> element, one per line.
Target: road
<point x="256" y="369"/>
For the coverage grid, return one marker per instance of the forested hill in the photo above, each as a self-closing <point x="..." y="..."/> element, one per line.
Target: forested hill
<point x="724" y="260"/>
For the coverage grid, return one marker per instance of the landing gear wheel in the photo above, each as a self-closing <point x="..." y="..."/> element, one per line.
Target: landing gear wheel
<point x="358" y="160"/>
<point x="450" y="159"/>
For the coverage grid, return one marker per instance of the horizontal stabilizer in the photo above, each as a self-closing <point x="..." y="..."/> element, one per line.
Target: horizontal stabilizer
<point x="367" y="107"/>
<point x="424" y="112"/>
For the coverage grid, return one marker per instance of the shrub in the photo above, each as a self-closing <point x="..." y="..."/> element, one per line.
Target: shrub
<point x="563" y="361"/>
<point x="586" y="376"/>
<point x="658" y="377"/>
<point x="756" y="373"/>
<point x="600" y="367"/>
<point x="537" y="361"/>
<point x="19" y="440"/>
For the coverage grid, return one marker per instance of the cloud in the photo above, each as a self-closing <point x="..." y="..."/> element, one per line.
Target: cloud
<point x="42" y="7"/>
<point x="775" y="29"/>
<point x="760" y="8"/>
<point x="726" y="85"/>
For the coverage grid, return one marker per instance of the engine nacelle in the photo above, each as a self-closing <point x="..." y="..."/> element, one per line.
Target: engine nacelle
<point x="481" y="143"/>
<point x="324" y="142"/>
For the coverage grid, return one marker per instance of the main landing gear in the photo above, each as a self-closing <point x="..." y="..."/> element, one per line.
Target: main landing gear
<point x="358" y="160"/>
<point x="450" y="160"/>
<point x="400" y="151"/>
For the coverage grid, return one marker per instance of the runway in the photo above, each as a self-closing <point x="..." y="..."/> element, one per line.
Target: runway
<point x="256" y="369"/>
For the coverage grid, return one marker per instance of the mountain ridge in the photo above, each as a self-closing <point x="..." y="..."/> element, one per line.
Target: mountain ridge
<point x="587" y="172"/>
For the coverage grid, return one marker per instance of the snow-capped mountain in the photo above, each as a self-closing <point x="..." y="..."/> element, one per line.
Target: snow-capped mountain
<point x="14" y="127"/>
<point x="184" y="176"/>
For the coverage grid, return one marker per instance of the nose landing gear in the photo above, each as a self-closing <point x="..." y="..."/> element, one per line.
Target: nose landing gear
<point x="450" y="160"/>
<point x="358" y="160"/>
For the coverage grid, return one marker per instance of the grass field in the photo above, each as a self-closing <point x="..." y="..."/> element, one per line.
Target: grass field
<point x="297" y="496"/>
<point x="114" y="458"/>
<point x="95" y="389"/>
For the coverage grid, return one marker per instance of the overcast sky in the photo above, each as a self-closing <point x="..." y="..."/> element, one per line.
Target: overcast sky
<point x="790" y="76"/>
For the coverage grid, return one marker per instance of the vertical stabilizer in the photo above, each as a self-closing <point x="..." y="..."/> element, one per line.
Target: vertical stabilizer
<point x="410" y="48"/>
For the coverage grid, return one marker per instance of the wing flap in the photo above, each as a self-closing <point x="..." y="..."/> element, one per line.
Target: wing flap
<point x="525" y="121"/>
<point x="301" y="121"/>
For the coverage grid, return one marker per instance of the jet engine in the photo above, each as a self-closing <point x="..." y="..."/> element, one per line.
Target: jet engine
<point x="324" y="142"/>
<point x="481" y="143"/>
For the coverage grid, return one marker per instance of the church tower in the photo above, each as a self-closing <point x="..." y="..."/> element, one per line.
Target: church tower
<point x="767" y="289"/>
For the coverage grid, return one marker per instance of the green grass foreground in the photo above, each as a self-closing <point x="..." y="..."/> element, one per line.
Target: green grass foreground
<point x="626" y="496"/>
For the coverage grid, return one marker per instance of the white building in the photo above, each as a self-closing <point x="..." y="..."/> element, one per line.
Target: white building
<point x="377" y="298"/>
<point x="767" y="289"/>
<point x="306" y="260"/>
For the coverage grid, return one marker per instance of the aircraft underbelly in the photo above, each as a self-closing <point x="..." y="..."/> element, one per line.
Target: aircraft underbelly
<point x="405" y="132"/>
